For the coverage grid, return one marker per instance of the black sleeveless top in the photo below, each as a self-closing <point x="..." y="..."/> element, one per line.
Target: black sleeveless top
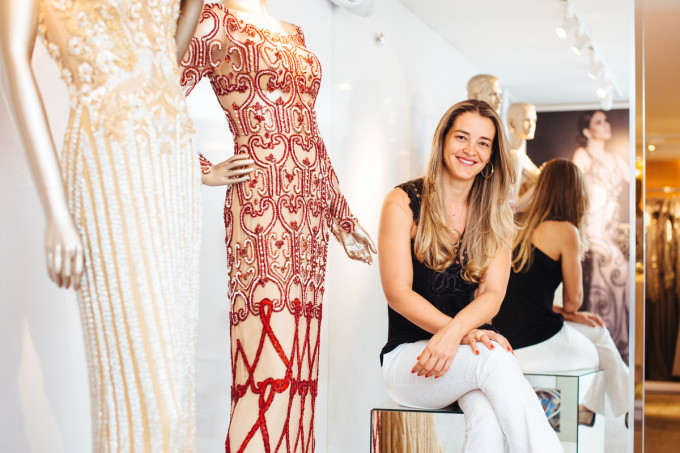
<point x="526" y="316"/>
<point x="445" y="290"/>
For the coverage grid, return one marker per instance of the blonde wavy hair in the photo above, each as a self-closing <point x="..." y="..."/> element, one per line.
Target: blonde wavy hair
<point x="490" y="224"/>
<point x="560" y="194"/>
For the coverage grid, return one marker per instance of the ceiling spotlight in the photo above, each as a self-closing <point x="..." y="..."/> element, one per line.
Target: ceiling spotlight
<point x="595" y="70"/>
<point x="651" y="147"/>
<point x="602" y="91"/>
<point x="581" y="43"/>
<point x="570" y="24"/>
<point x="607" y="101"/>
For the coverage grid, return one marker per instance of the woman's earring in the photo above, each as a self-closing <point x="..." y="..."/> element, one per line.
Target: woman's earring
<point x="488" y="174"/>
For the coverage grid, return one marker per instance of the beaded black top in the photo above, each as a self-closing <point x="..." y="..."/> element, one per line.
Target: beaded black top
<point x="526" y="316"/>
<point x="445" y="290"/>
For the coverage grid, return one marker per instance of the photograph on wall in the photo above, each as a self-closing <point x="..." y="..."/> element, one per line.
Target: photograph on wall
<point x="598" y="143"/>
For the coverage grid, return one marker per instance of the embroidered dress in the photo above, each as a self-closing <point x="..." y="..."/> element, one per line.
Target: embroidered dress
<point x="605" y="267"/>
<point x="132" y="180"/>
<point x="277" y="224"/>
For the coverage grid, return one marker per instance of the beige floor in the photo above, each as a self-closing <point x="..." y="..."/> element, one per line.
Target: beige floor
<point x="662" y="422"/>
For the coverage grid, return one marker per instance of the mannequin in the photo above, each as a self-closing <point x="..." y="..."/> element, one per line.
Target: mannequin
<point x="133" y="261"/>
<point x="485" y="87"/>
<point x="277" y="220"/>
<point x="522" y="127"/>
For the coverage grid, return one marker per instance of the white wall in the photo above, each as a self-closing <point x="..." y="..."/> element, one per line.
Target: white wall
<point x="387" y="101"/>
<point x="377" y="109"/>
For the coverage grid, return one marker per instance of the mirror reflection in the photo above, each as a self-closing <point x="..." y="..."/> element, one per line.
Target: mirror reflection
<point x="661" y="169"/>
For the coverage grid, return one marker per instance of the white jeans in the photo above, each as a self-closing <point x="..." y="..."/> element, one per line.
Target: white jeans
<point x="577" y="346"/>
<point x="501" y="409"/>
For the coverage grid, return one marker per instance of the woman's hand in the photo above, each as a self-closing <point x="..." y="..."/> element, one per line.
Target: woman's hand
<point x="64" y="251"/>
<point x="232" y="171"/>
<point x="437" y="356"/>
<point x="584" y="317"/>
<point x="486" y="337"/>
<point x="359" y="245"/>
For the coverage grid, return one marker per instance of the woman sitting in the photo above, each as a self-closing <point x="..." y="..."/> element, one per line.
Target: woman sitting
<point x="444" y="265"/>
<point x="549" y="338"/>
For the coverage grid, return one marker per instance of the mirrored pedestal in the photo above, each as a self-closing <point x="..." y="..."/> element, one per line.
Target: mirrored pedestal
<point x="399" y="429"/>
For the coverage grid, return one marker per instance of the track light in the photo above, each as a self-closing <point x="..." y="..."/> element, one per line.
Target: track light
<point x="605" y="87"/>
<point x="579" y="46"/>
<point x="570" y="24"/>
<point x="595" y="70"/>
<point x="607" y="101"/>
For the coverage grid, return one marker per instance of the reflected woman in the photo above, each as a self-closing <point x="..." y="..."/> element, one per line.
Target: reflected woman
<point x="605" y="268"/>
<point x="444" y="265"/>
<point x="546" y="252"/>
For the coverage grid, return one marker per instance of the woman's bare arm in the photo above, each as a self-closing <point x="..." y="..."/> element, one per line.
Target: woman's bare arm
<point x="396" y="268"/>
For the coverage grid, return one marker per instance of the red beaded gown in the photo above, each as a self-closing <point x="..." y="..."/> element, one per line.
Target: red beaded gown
<point x="277" y="224"/>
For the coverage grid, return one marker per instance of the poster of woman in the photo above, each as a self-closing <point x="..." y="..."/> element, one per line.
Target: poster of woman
<point x="598" y="143"/>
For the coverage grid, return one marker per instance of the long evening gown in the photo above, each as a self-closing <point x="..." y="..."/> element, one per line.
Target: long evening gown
<point x="277" y="225"/>
<point x="132" y="181"/>
<point x="605" y="267"/>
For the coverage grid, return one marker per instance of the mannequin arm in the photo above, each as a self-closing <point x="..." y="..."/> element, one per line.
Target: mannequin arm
<point x="64" y="250"/>
<point x="358" y="245"/>
<point x="189" y="13"/>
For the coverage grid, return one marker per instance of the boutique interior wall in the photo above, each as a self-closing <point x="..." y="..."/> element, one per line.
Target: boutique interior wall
<point x="377" y="109"/>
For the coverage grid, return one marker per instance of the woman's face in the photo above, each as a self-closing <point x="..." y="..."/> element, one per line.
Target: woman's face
<point x="600" y="129"/>
<point x="468" y="146"/>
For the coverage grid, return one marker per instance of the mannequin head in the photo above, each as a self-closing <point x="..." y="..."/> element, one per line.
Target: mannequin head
<point x="522" y="120"/>
<point x="593" y="126"/>
<point x="485" y="87"/>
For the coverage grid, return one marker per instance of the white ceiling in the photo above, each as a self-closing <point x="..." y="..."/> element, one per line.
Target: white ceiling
<point x="516" y="41"/>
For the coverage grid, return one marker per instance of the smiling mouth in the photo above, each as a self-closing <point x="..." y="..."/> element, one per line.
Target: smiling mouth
<point x="464" y="161"/>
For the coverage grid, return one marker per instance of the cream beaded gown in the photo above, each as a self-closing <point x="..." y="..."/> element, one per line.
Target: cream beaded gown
<point x="132" y="179"/>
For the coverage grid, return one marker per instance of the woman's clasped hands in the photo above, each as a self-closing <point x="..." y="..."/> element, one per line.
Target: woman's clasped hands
<point x="437" y="356"/>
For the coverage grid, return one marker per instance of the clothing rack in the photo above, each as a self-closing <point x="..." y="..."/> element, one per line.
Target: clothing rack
<point x="662" y="298"/>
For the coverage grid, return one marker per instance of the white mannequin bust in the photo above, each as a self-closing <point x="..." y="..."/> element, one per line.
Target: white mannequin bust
<point x="522" y="127"/>
<point x="485" y="87"/>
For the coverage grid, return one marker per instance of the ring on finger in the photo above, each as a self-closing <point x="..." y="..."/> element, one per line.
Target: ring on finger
<point x="479" y="334"/>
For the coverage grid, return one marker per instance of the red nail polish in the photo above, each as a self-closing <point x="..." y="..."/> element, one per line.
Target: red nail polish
<point x="477" y="352"/>
<point x="437" y="377"/>
<point x="491" y="347"/>
<point x="509" y="350"/>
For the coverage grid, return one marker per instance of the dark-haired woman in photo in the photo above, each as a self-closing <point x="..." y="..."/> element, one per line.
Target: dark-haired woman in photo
<point x="546" y="252"/>
<point x="444" y="248"/>
<point x="605" y="266"/>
